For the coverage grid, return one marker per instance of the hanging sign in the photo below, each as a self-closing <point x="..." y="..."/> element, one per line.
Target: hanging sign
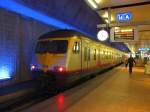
<point x="124" y="34"/>
<point x="123" y="17"/>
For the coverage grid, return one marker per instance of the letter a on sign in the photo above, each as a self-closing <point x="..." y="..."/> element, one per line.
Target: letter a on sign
<point x="127" y="17"/>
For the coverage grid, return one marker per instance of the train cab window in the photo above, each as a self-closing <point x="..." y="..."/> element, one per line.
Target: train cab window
<point x="94" y="54"/>
<point x="41" y="47"/>
<point x="76" y="47"/>
<point x="52" y="46"/>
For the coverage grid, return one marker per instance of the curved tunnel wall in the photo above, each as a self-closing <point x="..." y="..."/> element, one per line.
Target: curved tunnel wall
<point x="73" y="12"/>
<point x="18" y="36"/>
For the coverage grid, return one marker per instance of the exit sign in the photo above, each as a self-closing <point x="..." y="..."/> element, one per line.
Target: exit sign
<point x="123" y="17"/>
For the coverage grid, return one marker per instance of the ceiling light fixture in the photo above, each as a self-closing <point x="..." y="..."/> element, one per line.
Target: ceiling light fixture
<point x="92" y="3"/>
<point x="97" y="1"/>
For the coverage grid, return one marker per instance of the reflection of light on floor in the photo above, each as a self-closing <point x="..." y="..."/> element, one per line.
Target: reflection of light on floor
<point x="135" y="69"/>
<point x="138" y="69"/>
<point x="60" y="102"/>
<point x="139" y="75"/>
<point x="122" y="68"/>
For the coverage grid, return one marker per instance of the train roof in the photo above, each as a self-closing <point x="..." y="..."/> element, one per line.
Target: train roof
<point x="67" y="33"/>
<point x="60" y="33"/>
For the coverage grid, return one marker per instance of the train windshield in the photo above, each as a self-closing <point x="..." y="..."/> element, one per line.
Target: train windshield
<point x="52" y="46"/>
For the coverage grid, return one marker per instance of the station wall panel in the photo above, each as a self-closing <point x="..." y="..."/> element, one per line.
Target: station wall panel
<point x="18" y="37"/>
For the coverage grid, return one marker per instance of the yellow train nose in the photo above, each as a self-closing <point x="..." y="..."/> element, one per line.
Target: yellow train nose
<point x="45" y="68"/>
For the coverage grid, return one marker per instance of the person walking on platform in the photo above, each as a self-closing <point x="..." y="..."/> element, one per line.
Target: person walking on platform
<point x="130" y="63"/>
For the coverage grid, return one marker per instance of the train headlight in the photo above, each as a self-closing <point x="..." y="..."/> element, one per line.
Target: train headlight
<point x="33" y="67"/>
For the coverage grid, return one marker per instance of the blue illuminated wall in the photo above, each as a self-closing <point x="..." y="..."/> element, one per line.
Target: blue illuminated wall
<point x="18" y="36"/>
<point x="8" y="44"/>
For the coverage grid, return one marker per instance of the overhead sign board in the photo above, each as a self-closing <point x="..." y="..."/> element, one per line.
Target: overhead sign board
<point x="124" y="34"/>
<point x="123" y="17"/>
<point x="144" y="49"/>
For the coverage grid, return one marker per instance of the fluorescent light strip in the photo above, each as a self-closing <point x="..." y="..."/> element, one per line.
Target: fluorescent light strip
<point x="106" y="20"/>
<point x="21" y="9"/>
<point x="97" y="1"/>
<point x="4" y="78"/>
<point x="92" y="3"/>
<point x="18" y="8"/>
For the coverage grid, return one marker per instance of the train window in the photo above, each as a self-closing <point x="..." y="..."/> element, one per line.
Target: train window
<point x="76" y="47"/>
<point x="109" y="54"/>
<point x="88" y="54"/>
<point x="104" y="54"/>
<point x="98" y="54"/>
<point x="101" y="53"/>
<point x="52" y="46"/>
<point x="85" y="53"/>
<point x="94" y="54"/>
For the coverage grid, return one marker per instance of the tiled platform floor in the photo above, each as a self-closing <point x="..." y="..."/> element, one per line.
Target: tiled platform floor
<point x="114" y="91"/>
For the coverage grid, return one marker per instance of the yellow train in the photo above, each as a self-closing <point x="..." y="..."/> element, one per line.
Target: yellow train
<point x="65" y="56"/>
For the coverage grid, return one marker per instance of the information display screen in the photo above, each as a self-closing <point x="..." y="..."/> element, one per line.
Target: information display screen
<point x="124" y="34"/>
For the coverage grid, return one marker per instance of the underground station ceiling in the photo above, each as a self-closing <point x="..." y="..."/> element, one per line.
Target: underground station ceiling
<point x="139" y="18"/>
<point x="70" y="14"/>
<point x="118" y="3"/>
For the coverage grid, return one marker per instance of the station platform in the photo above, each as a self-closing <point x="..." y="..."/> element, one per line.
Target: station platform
<point x="113" y="91"/>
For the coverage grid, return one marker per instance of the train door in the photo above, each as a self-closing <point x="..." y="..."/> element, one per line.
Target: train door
<point x="85" y="54"/>
<point x="86" y="57"/>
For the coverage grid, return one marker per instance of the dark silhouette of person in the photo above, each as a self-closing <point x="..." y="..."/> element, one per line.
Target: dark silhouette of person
<point x="130" y="63"/>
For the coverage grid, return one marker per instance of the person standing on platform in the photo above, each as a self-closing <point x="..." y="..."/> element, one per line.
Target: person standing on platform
<point x="130" y="63"/>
